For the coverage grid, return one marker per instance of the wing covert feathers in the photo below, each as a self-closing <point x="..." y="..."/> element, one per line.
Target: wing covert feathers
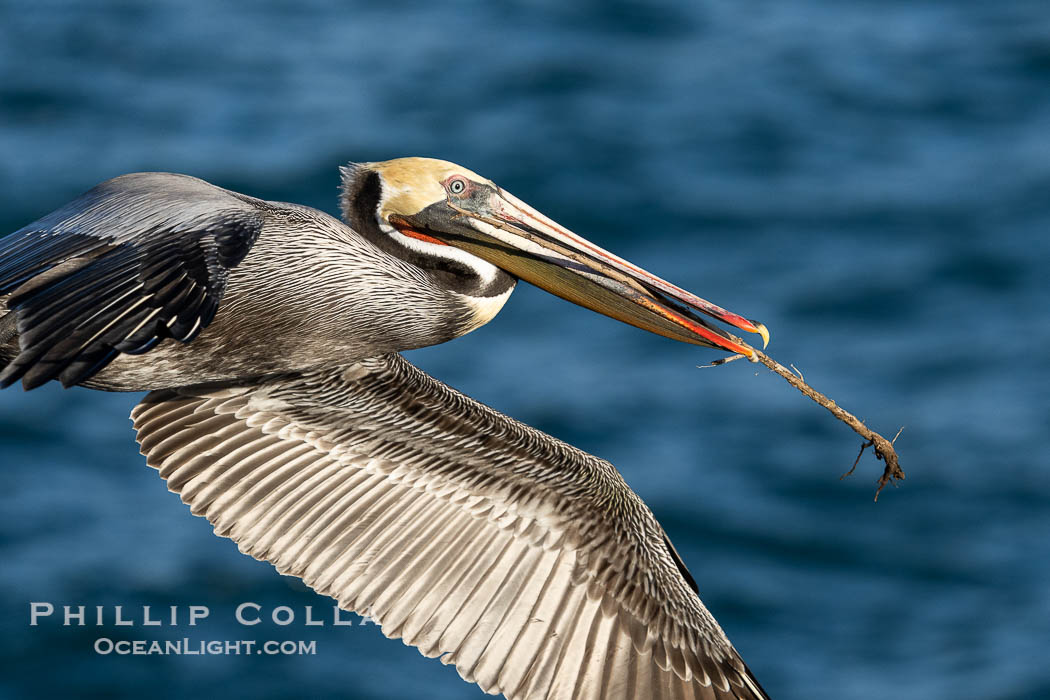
<point x="528" y="565"/>
<point x="137" y="259"/>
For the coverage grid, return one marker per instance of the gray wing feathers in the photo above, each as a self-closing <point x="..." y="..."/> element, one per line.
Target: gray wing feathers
<point x="137" y="259"/>
<point x="527" y="564"/>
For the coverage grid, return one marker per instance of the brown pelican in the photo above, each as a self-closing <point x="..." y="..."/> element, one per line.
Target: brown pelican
<point x="280" y="410"/>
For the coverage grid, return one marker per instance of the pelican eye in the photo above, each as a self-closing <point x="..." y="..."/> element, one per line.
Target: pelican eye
<point x="457" y="185"/>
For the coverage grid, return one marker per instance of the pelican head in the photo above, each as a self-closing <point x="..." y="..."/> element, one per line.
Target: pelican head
<point x="449" y="218"/>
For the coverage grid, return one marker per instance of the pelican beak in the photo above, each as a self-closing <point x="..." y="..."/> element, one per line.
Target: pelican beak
<point x="498" y="227"/>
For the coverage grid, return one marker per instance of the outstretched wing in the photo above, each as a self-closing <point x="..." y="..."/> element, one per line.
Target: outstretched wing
<point x="527" y="563"/>
<point x="137" y="259"/>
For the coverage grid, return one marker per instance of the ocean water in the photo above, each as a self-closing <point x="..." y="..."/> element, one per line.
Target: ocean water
<point x="869" y="179"/>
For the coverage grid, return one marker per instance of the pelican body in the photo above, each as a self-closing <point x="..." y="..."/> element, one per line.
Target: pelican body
<point x="268" y="335"/>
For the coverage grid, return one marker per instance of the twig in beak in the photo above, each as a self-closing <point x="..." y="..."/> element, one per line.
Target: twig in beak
<point x="722" y="361"/>
<point x="883" y="447"/>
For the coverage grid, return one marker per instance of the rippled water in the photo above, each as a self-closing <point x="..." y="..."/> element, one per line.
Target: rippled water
<point x="869" y="179"/>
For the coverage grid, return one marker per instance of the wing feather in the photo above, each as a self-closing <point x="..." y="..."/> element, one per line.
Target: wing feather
<point x="137" y="259"/>
<point x="528" y="565"/>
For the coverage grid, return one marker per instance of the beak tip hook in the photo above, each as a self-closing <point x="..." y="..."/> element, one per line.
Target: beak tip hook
<point x="761" y="329"/>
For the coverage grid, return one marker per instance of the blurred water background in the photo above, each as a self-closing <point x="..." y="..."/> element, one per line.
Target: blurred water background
<point x="870" y="179"/>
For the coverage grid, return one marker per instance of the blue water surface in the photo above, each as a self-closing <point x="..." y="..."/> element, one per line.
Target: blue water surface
<point x="869" y="179"/>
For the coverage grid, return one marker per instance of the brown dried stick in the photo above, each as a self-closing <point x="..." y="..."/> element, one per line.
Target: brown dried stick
<point x="883" y="447"/>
